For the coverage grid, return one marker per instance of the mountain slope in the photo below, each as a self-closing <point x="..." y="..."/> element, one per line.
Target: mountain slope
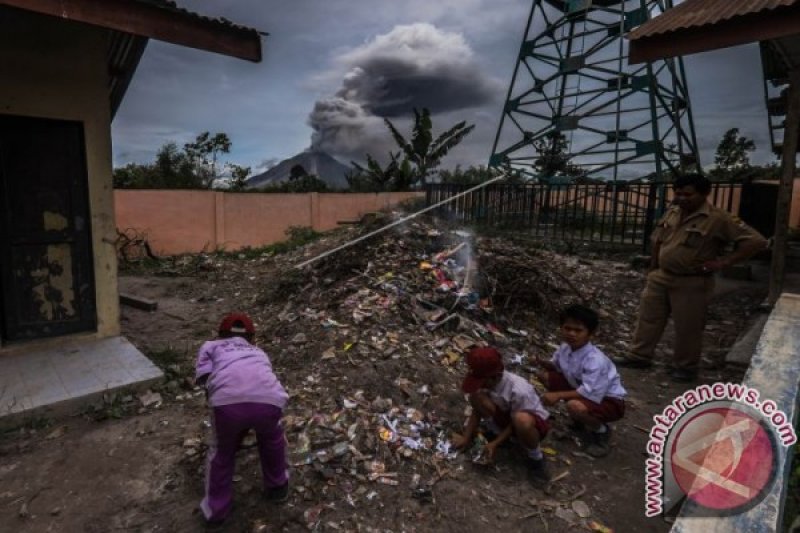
<point x="317" y="163"/>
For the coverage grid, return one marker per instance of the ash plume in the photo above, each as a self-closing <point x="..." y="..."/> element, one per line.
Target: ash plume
<point x="412" y="66"/>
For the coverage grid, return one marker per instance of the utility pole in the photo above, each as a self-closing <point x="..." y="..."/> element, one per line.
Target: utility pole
<point x="783" y="208"/>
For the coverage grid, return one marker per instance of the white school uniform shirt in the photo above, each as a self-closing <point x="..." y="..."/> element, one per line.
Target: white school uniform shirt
<point x="513" y="393"/>
<point x="589" y="371"/>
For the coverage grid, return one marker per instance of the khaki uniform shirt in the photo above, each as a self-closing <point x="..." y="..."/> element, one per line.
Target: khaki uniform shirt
<point x="700" y="237"/>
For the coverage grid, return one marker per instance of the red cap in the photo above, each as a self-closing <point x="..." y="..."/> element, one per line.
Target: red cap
<point x="237" y="323"/>
<point x="483" y="364"/>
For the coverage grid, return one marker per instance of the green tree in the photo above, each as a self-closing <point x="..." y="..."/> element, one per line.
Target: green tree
<point x="307" y="183"/>
<point x="733" y="151"/>
<point x="174" y="170"/>
<point x="423" y="151"/>
<point x="372" y="178"/>
<point x="297" y="172"/>
<point x="171" y="170"/>
<point x="239" y="175"/>
<point x="553" y="159"/>
<point x="470" y="176"/>
<point x="299" y="181"/>
<point x="398" y="175"/>
<point x="196" y="166"/>
<point x="204" y="153"/>
<point x="132" y="176"/>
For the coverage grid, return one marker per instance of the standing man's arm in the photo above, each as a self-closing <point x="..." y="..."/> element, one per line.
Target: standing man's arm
<point x="748" y="242"/>
<point x="744" y="251"/>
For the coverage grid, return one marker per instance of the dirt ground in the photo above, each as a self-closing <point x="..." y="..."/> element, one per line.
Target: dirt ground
<point x="123" y="467"/>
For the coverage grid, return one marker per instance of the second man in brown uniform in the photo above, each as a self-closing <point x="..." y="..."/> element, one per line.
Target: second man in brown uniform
<point x="688" y="244"/>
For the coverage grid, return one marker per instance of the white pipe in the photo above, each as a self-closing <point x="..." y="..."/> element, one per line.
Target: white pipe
<point x="397" y="222"/>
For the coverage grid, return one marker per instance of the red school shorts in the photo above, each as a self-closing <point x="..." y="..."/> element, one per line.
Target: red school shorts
<point x="503" y="418"/>
<point x="609" y="410"/>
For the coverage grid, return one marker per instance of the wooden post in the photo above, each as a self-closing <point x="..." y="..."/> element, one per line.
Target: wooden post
<point x="782" y="211"/>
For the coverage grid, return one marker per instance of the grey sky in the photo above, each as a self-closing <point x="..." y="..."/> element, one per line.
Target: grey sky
<point x="314" y="44"/>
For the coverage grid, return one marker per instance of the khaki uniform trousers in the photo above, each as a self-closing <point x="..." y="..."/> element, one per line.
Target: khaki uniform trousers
<point x="686" y="299"/>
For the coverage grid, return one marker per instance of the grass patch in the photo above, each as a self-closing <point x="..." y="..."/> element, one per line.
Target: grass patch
<point x="189" y="264"/>
<point x="30" y="425"/>
<point x="166" y="358"/>
<point x="140" y="265"/>
<point x="114" y="406"/>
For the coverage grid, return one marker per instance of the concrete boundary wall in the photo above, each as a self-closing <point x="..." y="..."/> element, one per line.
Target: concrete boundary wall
<point x="775" y="372"/>
<point x="191" y="221"/>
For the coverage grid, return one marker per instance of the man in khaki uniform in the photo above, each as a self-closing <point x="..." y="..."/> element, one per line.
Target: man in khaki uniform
<point x="688" y="243"/>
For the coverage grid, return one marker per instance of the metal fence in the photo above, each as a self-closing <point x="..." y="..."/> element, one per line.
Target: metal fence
<point x="619" y="213"/>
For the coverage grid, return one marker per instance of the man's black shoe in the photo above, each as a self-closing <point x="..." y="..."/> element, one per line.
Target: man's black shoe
<point x="627" y="362"/>
<point x="681" y="375"/>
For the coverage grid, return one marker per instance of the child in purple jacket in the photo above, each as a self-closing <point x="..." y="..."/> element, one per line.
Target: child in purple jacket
<point x="244" y="394"/>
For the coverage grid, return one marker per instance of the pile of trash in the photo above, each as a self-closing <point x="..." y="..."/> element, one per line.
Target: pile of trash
<point x="424" y="284"/>
<point x="370" y="343"/>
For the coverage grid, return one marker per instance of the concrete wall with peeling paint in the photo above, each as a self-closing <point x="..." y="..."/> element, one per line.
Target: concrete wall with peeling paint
<point x="775" y="372"/>
<point x="57" y="69"/>
<point x="181" y="221"/>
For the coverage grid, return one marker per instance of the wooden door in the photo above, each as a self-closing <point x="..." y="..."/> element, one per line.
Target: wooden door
<point x="46" y="271"/>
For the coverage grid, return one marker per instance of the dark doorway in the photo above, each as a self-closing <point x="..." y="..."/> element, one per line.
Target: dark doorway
<point x="757" y="207"/>
<point x="46" y="274"/>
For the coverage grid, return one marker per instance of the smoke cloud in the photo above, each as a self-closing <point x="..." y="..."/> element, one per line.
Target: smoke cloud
<point x="412" y="66"/>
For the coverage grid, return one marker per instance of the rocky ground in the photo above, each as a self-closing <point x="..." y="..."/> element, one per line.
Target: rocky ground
<point x="369" y="342"/>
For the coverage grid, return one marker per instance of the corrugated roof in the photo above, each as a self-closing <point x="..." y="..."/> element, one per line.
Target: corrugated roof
<point x="155" y="19"/>
<point x="169" y="5"/>
<point x="695" y="13"/>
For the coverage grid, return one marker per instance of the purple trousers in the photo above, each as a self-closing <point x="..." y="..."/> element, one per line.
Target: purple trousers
<point x="230" y="424"/>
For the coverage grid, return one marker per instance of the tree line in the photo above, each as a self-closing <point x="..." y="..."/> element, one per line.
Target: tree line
<point x="415" y="163"/>
<point x="197" y="166"/>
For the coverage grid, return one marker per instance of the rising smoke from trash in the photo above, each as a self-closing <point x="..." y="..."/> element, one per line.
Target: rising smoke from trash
<point x="412" y="66"/>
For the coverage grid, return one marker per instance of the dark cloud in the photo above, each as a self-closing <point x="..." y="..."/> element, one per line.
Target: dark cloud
<point x="412" y="66"/>
<point x="179" y="92"/>
<point x="390" y="88"/>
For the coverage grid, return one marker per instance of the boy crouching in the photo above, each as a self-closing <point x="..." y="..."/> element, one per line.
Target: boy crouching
<point x="586" y="379"/>
<point x="509" y="405"/>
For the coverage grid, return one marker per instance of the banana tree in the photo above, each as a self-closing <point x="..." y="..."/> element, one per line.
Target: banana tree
<point x="423" y="151"/>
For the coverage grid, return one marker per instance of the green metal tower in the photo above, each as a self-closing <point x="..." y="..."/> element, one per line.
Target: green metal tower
<point x="572" y="86"/>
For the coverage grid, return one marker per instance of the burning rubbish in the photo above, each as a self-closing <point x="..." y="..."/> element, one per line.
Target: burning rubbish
<point x="370" y="342"/>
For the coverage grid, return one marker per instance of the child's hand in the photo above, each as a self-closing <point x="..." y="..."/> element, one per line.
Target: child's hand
<point x="550" y="398"/>
<point x="460" y="441"/>
<point x="489" y="452"/>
